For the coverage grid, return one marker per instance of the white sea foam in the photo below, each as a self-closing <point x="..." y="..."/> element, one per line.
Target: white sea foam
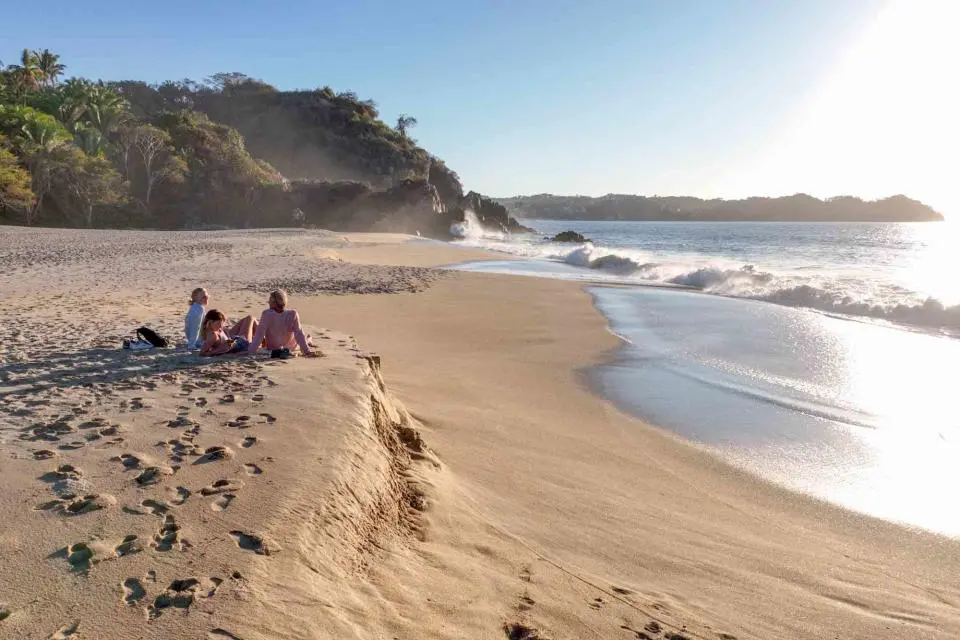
<point x="814" y="289"/>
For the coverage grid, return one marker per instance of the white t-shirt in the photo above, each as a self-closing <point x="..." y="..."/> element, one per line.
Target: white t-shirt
<point x="191" y="326"/>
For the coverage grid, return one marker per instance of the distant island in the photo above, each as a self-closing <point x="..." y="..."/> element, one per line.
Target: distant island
<point x="230" y="151"/>
<point x="796" y="208"/>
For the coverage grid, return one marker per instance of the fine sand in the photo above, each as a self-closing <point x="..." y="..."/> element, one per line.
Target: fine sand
<point x="461" y="483"/>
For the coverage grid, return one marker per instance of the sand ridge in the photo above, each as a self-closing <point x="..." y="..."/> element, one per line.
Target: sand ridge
<point x="141" y="488"/>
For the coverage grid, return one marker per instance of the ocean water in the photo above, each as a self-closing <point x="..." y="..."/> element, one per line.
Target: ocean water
<point x="906" y="273"/>
<point x="822" y="357"/>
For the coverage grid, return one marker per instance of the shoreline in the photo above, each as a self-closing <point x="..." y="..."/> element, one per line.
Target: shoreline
<point x="804" y="509"/>
<point x="467" y="485"/>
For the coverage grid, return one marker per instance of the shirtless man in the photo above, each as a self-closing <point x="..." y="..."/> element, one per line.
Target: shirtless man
<point x="280" y="328"/>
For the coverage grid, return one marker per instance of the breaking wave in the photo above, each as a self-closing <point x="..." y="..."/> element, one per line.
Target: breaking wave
<point x="821" y="292"/>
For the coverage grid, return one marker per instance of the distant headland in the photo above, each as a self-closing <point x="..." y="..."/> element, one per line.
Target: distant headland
<point x="795" y="208"/>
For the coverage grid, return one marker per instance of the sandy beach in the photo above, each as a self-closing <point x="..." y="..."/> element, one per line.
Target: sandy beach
<point x="445" y="471"/>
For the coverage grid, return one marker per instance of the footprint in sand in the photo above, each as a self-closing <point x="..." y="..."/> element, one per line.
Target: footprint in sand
<point x="128" y="546"/>
<point x="181" y="422"/>
<point x="168" y="536"/>
<point x="214" y="454"/>
<point x="155" y="507"/>
<point x="222" y="502"/>
<point x="151" y="576"/>
<point x="70" y="505"/>
<point x="249" y="441"/>
<point x="130" y="461"/>
<point x="252" y="469"/>
<point x="152" y="475"/>
<point x="133" y="591"/>
<point x="220" y="486"/>
<point x="181" y="594"/>
<point x="67" y="481"/>
<point x="252" y="542"/>
<point x="66" y="632"/>
<point x="520" y="631"/>
<point x="240" y="422"/>
<point x="228" y="398"/>
<point x="178" y="448"/>
<point x="72" y="446"/>
<point x="112" y="430"/>
<point x="269" y="419"/>
<point x="221" y="634"/>
<point x="96" y="423"/>
<point x="257" y="398"/>
<point x="81" y="556"/>
<point x="44" y="454"/>
<point x="200" y="402"/>
<point x="178" y="495"/>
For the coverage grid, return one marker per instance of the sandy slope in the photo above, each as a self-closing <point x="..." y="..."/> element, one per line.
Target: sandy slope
<point x="530" y="508"/>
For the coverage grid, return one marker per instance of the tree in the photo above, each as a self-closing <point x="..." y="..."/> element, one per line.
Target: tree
<point x="90" y="141"/>
<point x="222" y="173"/>
<point x="26" y="75"/>
<point x="160" y="163"/>
<point x="405" y="122"/>
<point x="15" y="193"/>
<point x="42" y="161"/>
<point x="105" y="108"/>
<point x="49" y="66"/>
<point x="27" y="126"/>
<point x="87" y="181"/>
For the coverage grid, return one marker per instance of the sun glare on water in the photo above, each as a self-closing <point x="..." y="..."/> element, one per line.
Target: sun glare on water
<point x="886" y="121"/>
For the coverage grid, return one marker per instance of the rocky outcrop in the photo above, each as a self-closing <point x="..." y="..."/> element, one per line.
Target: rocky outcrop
<point x="570" y="236"/>
<point x="492" y="215"/>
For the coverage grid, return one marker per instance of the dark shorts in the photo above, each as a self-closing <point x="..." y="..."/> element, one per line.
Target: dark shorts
<point x="239" y="344"/>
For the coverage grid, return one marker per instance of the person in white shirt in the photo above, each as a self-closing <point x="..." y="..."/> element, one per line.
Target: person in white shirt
<point x="194" y="319"/>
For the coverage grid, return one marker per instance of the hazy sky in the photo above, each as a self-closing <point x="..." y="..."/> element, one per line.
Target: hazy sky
<point x="700" y="97"/>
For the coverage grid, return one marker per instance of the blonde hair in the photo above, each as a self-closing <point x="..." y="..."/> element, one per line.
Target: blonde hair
<point x="279" y="298"/>
<point x="197" y="294"/>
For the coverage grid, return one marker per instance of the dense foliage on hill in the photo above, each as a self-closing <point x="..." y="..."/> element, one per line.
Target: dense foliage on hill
<point x="800" y="207"/>
<point x="231" y="151"/>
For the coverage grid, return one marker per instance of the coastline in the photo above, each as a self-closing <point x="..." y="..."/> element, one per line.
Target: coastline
<point x="757" y="504"/>
<point x="539" y="510"/>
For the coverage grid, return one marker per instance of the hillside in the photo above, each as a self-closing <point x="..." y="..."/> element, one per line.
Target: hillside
<point x="231" y="151"/>
<point x="797" y="208"/>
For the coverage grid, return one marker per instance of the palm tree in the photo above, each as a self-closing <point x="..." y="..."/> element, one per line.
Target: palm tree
<point x="26" y="75"/>
<point x="49" y="66"/>
<point x="405" y="122"/>
<point x="105" y="108"/>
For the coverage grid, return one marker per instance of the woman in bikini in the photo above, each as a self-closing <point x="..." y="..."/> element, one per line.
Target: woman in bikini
<point x="216" y="341"/>
<point x="194" y="321"/>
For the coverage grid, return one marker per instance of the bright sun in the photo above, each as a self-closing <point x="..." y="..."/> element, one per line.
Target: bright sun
<point x="886" y="121"/>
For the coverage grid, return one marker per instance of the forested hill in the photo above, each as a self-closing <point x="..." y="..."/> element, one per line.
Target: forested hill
<point x="799" y="208"/>
<point x="230" y="151"/>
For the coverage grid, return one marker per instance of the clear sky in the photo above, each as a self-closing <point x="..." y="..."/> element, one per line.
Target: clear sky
<point x="711" y="98"/>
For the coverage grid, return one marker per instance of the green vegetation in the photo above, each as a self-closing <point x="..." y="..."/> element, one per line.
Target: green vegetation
<point x="800" y="208"/>
<point x="231" y="151"/>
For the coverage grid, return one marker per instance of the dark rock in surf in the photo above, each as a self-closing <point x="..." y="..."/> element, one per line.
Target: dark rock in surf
<point x="570" y="236"/>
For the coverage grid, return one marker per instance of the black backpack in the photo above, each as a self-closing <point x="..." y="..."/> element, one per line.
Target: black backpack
<point x="151" y="336"/>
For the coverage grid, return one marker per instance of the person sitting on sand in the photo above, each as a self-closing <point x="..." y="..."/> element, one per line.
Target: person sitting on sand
<point x="245" y="328"/>
<point x="217" y="342"/>
<point x="280" y="328"/>
<point x="194" y="319"/>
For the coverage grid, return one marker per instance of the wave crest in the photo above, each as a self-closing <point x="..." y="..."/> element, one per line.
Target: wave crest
<point x="747" y="281"/>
